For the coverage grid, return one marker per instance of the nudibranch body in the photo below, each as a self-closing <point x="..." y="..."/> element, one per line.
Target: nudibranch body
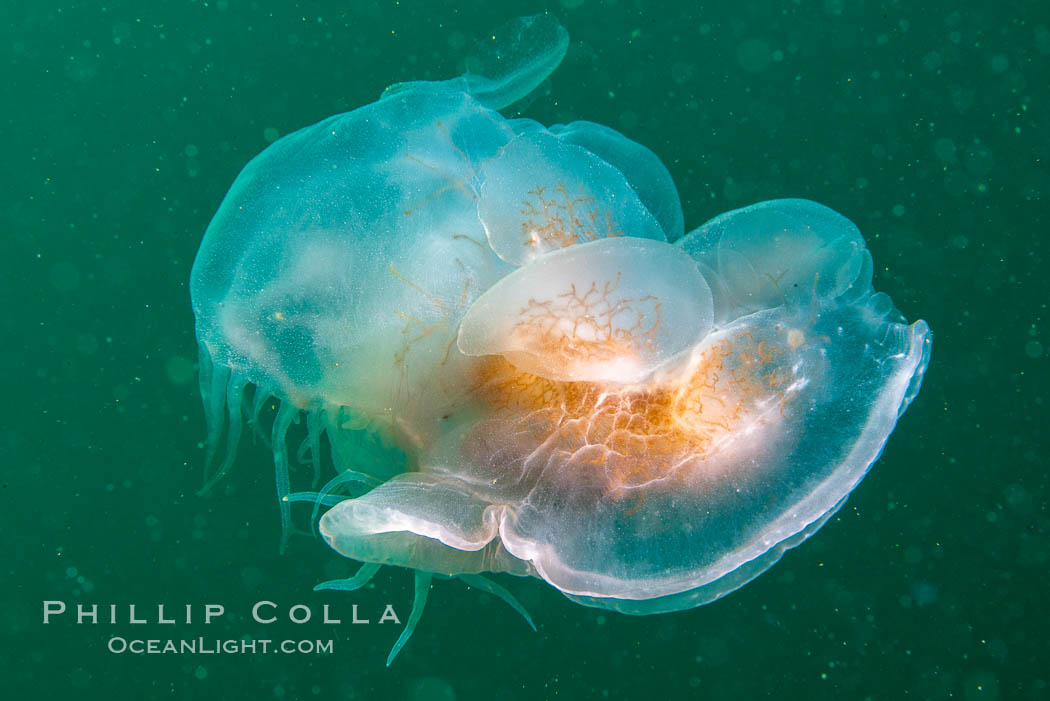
<point x="520" y="362"/>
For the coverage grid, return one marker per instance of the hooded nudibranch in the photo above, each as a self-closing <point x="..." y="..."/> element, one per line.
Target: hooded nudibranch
<point x="520" y="361"/>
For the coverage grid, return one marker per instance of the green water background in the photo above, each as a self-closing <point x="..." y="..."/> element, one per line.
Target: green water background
<point x="124" y="124"/>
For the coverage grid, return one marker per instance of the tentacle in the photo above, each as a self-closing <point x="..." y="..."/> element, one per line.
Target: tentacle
<point x="344" y="477"/>
<point x="360" y="579"/>
<point x="234" y="393"/>
<point x="313" y="437"/>
<point x="418" y="603"/>
<point x="213" y="379"/>
<point x="326" y="498"/>
<point x="285" y="415"/>
<point x="302" y="451"/>
<point x="316" y="497"/>
<point x="261" y="395"/>
<point x="490" y="587"/>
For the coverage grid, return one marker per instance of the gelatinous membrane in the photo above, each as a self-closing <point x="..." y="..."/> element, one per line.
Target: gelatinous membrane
<point x="644" y="170"/>
<point x="780" y="251"/>
<point x="515" y="59"/>
<point x="583" y="199"/>
<point x="513" y="367"/>
<point x="508" y="64"/>
<point x="614" y="309"/>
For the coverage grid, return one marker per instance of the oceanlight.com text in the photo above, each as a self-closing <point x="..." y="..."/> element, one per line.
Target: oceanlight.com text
<point x="214" y="646"/>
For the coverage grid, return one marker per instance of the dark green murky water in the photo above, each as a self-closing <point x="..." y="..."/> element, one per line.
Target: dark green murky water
<point x="125" y="123"/>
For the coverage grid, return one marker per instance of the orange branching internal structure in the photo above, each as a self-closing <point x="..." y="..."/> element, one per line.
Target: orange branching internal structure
<point x="639" y="434"/>
<point x="559" y="220"/>
<point x="589" y="326"/>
